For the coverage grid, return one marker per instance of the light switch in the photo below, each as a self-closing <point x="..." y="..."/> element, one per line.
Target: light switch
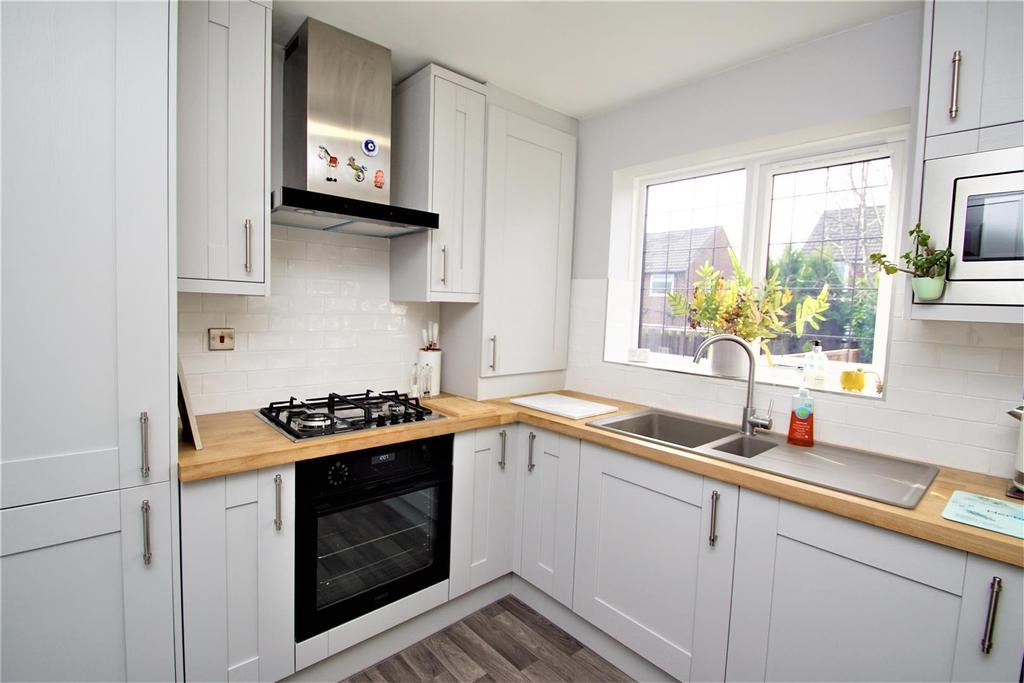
<point x="222" y="339"/>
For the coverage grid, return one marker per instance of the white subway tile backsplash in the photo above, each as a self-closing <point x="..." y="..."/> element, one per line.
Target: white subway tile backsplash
<point x="328" y="325"/>
<point x="947" y="389"/>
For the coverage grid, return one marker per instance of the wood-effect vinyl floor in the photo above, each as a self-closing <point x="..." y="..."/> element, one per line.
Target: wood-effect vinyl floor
<point x="505" y="642"/>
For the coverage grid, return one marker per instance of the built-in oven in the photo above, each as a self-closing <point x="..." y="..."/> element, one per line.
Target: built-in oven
<point x="372" y="527"/>
<point x="975" y="204"/>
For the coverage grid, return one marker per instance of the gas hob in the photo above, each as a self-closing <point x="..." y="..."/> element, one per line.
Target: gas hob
<point x="340" y="414"/>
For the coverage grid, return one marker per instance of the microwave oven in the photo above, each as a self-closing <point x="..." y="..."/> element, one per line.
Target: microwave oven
<point x="974" y="205"/>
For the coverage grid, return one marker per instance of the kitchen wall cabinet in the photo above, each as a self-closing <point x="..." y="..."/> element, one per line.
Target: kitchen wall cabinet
<point x="647" y="572"/>
<point x="80" y="600"/>
<point x="237" y="576"/>
<point x="531" y="180"/>
<point x="438" y="166"/>
<point x="987" y="36"/>
<point x="548" y="471"/>
<point x="85" y="268"/>
<point x="483" y="507"/>
<point x="223" y="147"/>
<point x="820" y="597"/>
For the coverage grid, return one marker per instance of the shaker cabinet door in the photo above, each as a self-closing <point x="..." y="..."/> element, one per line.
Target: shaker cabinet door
<point x="223" y="142"/>
<point x="531" y="178"/>
<point x="548" y="468"/>
<point x="483" y="507"/>
<point x="990" y="642"/>
<point x="458" y="188"/>
<point x="958" y="29"/>
<point x="647" y="571"/>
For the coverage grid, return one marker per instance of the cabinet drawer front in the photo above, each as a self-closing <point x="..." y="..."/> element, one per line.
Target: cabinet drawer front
<point x="61" y="521"/>
<point x="928" y="563"/>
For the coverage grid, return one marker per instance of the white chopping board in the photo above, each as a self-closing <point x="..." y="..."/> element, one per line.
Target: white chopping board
<point x="565" y="406"/>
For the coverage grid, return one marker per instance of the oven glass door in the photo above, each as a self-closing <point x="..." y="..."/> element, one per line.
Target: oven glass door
<point x="987" y="230"/>
<point x="362" y="548"/>
<point x="359" y="554"/>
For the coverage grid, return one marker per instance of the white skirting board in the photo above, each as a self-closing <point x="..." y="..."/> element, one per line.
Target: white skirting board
<point x="369" y="652"/>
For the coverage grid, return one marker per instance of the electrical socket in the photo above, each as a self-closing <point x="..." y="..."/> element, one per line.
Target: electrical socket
<point x="222" y="339"/>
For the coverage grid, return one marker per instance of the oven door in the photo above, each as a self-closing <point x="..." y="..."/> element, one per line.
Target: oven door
<point x="369" y="548"/>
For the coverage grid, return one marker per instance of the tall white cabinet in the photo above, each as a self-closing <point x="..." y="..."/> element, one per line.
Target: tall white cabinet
<point x="438" y="162"/>
<point x="223" y="146"/>
<point x="86" y="550"/>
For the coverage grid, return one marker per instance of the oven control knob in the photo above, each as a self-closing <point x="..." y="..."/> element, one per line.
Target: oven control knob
<point x="382" y="420"/>
<point x="337" y="474"/>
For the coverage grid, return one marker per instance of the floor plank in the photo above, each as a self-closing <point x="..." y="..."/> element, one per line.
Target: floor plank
<point x="505" y="642"/>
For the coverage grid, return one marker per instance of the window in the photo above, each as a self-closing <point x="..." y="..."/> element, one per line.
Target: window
<point x="687" y="222"/>
<point x="824" y="222"/>
<point x="660" y="283"/>
<point x="815" y="218"/>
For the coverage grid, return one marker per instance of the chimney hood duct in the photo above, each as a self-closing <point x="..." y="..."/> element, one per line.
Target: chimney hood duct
<point x="337" y="138"/>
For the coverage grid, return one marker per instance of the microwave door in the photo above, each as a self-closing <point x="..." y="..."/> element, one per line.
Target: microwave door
<point x="987" y="227"/>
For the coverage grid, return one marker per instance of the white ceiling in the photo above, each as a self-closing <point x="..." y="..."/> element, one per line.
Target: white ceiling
<point x="582" y="58"/>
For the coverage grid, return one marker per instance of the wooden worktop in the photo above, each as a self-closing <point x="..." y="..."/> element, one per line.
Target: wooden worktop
<point x="240" y="441"/>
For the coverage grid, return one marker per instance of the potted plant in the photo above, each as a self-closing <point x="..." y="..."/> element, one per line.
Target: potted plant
<point x="925" y="264"/>
<point x="737" y="306"/>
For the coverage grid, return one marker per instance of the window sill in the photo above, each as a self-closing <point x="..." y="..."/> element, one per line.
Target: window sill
<point x="779" y="376"/>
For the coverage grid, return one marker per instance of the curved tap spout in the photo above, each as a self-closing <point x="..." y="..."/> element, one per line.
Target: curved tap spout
<point x="750" y="419"/>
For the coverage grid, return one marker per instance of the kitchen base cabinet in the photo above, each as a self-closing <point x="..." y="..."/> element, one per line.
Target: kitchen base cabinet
<point x="548" y="470"/>
<point x="86" y="589"/>
<point x="483" y="507"/>
<point x="237" y="576"/>
<point x="1004" y="630"/>
<point x="647" y="570"/>
<point x="820" y="597"/>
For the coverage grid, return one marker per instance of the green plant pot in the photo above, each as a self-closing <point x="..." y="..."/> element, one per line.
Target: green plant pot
<point x="928" y="288"/>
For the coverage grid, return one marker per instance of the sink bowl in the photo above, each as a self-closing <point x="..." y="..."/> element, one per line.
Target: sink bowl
<point x="745" y="446"/>
<point x="665" y="428"/>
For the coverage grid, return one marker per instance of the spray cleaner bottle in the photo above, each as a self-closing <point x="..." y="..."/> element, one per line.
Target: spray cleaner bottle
<point x="801" y="419"/>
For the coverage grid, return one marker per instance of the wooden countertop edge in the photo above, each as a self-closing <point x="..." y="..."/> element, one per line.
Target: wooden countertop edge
<point x="924" y="522"/>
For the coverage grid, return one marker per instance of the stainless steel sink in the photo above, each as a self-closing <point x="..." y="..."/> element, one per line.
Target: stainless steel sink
<point x="665" y="428"/>
<point x="877" y="477"/>
<point x="745" y="446"/>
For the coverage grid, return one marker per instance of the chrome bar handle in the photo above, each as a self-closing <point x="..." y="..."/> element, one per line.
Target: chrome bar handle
<point x="994" y="589"/>
<point x="494" y="352"/>
<point x="248" y="245"/>
<point x="954" y="100"/>
<point x="444" y="264"/>
<point x="278" y="522"/>
<point x="529" y="461"/>
<point x="147" y="552"/>
<point x="713" y="536"/>
<point x="144" y="428"/>
<point x="504" y="439"/>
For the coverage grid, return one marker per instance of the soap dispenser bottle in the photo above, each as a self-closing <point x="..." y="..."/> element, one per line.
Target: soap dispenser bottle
<point x="801" y="419"/>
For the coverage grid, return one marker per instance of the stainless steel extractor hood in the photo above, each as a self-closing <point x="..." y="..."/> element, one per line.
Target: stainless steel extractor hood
<point x="337" y="138"/>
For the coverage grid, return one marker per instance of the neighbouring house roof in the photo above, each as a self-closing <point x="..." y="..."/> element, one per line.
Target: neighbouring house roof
<point x="841" y="231"/>
<point x="670" y="251"/>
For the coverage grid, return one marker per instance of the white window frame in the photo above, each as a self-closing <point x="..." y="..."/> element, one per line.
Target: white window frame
<point x="760" y="168"/>
<point x="670" y="284"/>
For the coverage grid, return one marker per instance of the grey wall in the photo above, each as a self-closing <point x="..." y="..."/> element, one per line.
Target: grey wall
<point x="862" y="71"/>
